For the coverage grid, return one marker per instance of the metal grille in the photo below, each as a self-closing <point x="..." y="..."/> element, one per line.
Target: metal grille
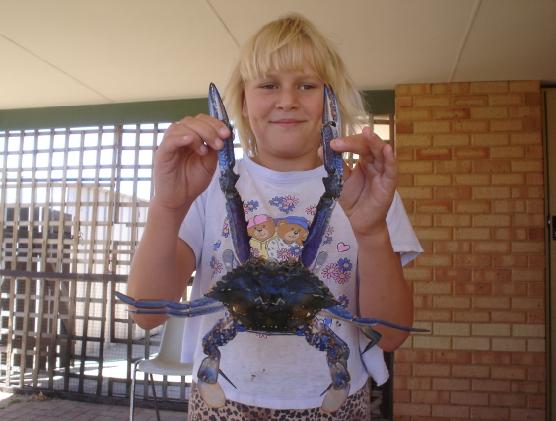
<point x="73" y="204"/>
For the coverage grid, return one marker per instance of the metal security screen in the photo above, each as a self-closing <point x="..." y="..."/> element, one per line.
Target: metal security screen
<point x="73" y="204"/>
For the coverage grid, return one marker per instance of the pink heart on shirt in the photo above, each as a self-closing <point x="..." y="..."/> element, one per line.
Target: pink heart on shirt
<point x="342" y="247"/>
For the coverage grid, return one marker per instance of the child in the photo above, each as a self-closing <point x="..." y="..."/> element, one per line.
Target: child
<point x="275" y="97"/>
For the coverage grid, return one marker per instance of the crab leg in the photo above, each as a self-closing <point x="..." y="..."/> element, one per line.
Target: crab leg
<point x="339" y="312"/>
<point x="207" y="377"/>
<point x="173" y="305"/>
<point x="365" y="324"/>
<point x="228" y="179"/>
<point x="199" y="311"/>
<point x="337" y="353"/>
<point x="199" y="307"/>
<point x="333" y="163"/>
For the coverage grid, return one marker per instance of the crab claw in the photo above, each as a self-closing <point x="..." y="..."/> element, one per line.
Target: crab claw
<point x="212" y="394"/>
<point x="334" y="398"/>
<point x="207" y="382"/>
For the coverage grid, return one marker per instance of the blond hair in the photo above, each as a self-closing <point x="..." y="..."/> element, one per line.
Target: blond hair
<point x="290" y="43"/>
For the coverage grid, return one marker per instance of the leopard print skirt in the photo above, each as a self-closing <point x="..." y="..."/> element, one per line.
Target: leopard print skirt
<point x="356" y="408"/>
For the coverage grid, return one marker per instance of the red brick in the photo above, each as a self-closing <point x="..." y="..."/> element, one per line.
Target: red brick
<point x="491" y="358"/>
<point x="450" y="140"/>
<point x="473" y="206"/>
<point x="501" y="152"/>
<point x="483" y="385"/>
<point x="506" y="99"/>
<point x="507" y="125"/>
<point x="403" y="101"/>
<point x="470" y="126"/>
<point x="413" y="89"/>
<point x="469" y="100"/>
<point x="451" y="113"/>
<point x="532" y="99"/>
<point x="489" y="87"/>
<point x="471" y="316"/>
<point x="472" y="261"/>
<point x="432" y="315"/>
<point x="434" y="154"/>
<point x="431" y="101"/>
<point x="509" y="373"/>
<point x="519" y="414"/>
<point x="488" y="112"/>
<point x="452" y="357"/>
<point x="430" y="396"/>
<point x="471" y="152"/>
<point x="434" y="206"/>
<point x="439" y="126"/>
<point x="508" y="400"/>
<point x="454" y="411"/>
<point x="482" y="413"/>
<point x="450" y="384"/>
<point x="450" y="88"/>
<point x="413" y="140"/>
<point x="475" y="288"/>
<point x="524" y="86"/>
<point x="471" y="371"/>
<point x="404" y="127"/>
<point x="490" y="139"/>
<point x="491" y="166"/>
<point x="431" y="370"/>
<point x="536" y="401"/>
<point x="459" y="167"/>
<point x="414" y="355"/>
<point x="452" y="247"/>
<point x="412" y="409"/>
<point x="453" y="192"/>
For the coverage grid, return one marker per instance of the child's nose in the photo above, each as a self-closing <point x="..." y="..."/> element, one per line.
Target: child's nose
<point x="288" y="98"/>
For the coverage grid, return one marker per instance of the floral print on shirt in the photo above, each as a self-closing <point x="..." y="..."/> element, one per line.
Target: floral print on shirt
<point x="285" y="204"/>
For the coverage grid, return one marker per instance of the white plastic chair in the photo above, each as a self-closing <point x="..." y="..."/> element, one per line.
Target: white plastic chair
<point x="166" y="362"/>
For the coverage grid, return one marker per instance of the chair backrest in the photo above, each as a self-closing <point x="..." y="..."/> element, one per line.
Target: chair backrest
<point x="172" y="338"/>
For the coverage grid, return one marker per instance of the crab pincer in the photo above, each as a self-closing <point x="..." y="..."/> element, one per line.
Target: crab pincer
<point x="228" y="179"/>
<point x="334" y="166"/>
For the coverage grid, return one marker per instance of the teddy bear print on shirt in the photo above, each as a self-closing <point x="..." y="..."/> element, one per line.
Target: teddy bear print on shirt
<point x="261" y="229"/>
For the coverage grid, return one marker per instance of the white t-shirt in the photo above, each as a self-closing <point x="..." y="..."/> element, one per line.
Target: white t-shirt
<point x="282" y="371"/>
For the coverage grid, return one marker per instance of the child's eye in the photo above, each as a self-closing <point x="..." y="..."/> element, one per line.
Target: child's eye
<point x="307" y="86"/>
<point x="267" y="85"/>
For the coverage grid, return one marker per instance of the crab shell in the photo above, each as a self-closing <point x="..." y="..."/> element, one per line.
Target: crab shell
<point x="270" y="296"/>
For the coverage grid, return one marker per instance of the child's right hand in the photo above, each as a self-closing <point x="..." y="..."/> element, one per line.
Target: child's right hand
<point x="186" y="159"/>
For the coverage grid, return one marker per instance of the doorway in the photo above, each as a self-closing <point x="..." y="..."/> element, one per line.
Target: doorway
<point x="550" y="145"/>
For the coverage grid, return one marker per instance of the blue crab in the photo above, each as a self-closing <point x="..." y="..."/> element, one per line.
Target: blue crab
<point x="270" y="297"/>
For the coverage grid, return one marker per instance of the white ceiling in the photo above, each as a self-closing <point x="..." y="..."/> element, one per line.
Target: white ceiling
<point x="71" y="52"/>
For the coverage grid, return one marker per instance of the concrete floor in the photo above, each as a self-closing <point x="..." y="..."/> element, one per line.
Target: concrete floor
<point x="38" y="407"/>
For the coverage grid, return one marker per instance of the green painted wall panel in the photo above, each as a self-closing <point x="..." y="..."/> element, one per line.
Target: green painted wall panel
<point x="379" y="102"/>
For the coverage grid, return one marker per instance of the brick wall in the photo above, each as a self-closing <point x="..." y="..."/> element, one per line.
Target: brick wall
<point x="471" y="164"/>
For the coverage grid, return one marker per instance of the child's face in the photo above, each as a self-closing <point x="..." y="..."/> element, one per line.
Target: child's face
<point x="285" y="114"/>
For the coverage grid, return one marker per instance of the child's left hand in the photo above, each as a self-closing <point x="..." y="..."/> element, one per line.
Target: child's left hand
<point x="369" y="187"/>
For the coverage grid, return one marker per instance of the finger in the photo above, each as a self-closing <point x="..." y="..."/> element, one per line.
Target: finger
<point x="205" y="130"/>
<point x="366" y="143"/>
<point x="390" y="164"/>
<point x="173" y="142"/>
<point x="209" y="130"/>
<point x="220" y="127"/>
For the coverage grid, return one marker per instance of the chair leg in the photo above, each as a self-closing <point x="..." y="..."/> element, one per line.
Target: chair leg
<point x="132" y="393"/>
<point x="154" y="395"/>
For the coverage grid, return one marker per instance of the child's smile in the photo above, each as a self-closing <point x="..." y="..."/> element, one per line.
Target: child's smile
<point x="285" y="114"/>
